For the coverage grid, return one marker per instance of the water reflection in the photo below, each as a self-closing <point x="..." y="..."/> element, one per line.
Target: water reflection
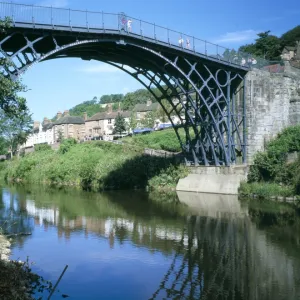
<point x="206" y="247"/>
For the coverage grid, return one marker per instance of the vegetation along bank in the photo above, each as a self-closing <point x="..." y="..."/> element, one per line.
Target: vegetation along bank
<point x="99" y="165"/>
<point x="276" y="171"/>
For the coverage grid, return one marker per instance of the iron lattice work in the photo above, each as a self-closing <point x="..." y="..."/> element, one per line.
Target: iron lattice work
<point x="206" y="99"/>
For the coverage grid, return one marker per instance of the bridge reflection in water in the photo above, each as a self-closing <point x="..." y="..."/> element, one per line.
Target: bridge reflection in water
<point x="221" y="248"/>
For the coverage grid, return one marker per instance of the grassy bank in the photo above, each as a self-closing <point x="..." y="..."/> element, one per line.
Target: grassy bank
<point x="160" y="140"/>
<point x="272" y="173"/>
<point x="96" y="165"/>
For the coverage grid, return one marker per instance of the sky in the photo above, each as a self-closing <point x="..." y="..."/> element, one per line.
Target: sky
<point x="57" y="85"/>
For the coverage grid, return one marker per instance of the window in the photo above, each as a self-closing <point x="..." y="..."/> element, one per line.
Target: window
<point x="109" y="121"/>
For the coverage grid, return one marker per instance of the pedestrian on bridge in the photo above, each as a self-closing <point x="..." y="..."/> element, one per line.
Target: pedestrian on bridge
<point x="188" y="44"/>
<point x="129" y="25"/>
<point x="180" y="41"/>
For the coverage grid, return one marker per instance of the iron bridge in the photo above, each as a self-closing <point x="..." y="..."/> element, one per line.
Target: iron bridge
<point x="200" y="83"/>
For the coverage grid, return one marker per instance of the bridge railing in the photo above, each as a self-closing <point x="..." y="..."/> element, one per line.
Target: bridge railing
<point x="93" y="21"/>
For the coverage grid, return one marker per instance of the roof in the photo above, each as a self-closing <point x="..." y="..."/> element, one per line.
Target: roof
<point x="47" y="126"/>
<point x="143" y="107"/>
<point x="290" y="48"/>
<point x="69" y="120"/>
<point x="105" y="115"/>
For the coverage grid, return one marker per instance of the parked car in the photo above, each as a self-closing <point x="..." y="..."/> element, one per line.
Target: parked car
<point x="163" y="126"/>
<point x="142" y="130"/>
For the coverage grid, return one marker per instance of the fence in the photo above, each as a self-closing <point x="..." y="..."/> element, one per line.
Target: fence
<point x="100" y="21"/>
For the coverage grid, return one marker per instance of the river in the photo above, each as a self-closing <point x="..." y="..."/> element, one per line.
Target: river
<point x="131" y="245"/>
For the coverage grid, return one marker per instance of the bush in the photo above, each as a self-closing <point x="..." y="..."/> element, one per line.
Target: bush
<point x="42" y="147"/>
<point x="271" y="165"/>
<point x="265" y="190"/>
<point x="94" y="165"/>
<point x="66" y="145"/>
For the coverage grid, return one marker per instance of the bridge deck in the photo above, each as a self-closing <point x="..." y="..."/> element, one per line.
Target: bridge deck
<point x="99" y="23"/>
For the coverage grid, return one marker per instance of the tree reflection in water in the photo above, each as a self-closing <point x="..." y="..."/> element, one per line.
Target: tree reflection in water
<point x="220" y="247"/>
<point x="14" y="218"/>
<point x="228" y="257"/>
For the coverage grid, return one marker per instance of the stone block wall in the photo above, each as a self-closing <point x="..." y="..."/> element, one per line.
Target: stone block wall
<point x="273" y="103"/>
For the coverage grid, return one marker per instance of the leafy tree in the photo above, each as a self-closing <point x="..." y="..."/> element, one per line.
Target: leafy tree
<point x="15" y="130"/>
<point x="10" y="103"/>
<point x="132" y="121"/>
<point x="266" y="45"/>
<point x="120" y="124"/>
<point x="60" y="134"/>
<point x="229" y="55"/>
<point x="115" y="106"/>
<point x="113" y="98"/>
<point x="149" y="120"/>
<point x="139" y="96"/>
<point x="291" y="37"/>
<point x="161" y="114"/>
<point x="3" y="145"/>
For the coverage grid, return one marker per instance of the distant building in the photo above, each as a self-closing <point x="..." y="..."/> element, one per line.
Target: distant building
<point x="69" y="126"/>
<point x="41" y="133"/>
<point x="141" y="110"/>
<point x="102" y="123"/>
<point x="288" y="52"/>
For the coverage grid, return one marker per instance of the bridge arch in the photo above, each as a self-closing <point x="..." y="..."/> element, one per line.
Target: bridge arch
<point x="206" y="89"/>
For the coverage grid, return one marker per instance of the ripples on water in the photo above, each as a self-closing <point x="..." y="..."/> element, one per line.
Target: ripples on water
<point x="131" y="246"/>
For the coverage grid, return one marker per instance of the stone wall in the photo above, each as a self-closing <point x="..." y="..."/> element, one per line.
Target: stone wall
<point x="273" y="103"/>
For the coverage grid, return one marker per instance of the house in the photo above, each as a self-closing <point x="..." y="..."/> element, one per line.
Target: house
<point x="288" y="52"/>
<point x="142" y="109"/>
<point x="41" y="133"/>
<point x="68" y="126"/>
<point x="102" y="123"/>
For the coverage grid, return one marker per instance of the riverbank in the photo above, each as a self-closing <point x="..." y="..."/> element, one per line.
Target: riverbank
<point x="275" y="172"/>
<point x="95" y="165"/>
<point x="16" y="279"/>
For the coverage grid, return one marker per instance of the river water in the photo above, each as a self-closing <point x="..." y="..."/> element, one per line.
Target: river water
<point x="131" y="245"/>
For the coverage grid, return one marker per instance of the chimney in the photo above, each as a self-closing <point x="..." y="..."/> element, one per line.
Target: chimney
<point x="66" y="113"/>
<point x="84" y="116"/>
<point x="36" y="124"/>
<point x="149" y="102"/>
<point x="58" y="115"/>
<point x="46" y="121"/>
<point x="109" y="106"/>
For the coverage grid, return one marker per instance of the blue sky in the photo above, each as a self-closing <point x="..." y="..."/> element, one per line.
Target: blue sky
<point x="61" y="84"/>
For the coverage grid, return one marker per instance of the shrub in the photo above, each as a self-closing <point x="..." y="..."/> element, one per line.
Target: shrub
<point x="42" y="147"/>
<point x="66" y="145"/>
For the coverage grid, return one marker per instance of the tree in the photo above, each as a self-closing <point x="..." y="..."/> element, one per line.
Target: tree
<point x="60" y="136"/>
<point x="291" y="37"/>
<point x="120" y="124"/>
<point x="132" y="121"/>
<point x="149" y="120"/>
<point x="15" y="130"/>
<point x="161" y="114"/>
<point x="139" y="96"/>
<point x="266" y="46"/>
<point x="10" y="103"/>
<point x="3" y="145"/>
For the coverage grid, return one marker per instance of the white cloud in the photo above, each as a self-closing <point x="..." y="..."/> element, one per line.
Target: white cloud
<point x="100" y="68"/>
<point x="53" y="3"/>
<point x="237" y="36"/>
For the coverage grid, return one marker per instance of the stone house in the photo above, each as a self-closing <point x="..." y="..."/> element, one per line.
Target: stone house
<point x="288" y="52"/>
<point x="102" y="123"/>
<point x="141" y="110"/>
<point x="69" y="126"/>
<point x="291" y="52"/>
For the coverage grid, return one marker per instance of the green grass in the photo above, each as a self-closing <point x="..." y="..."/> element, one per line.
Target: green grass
<point x="94" y="165"/>
<point x="265" y="190"/>
<point x="160" y="140"/>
